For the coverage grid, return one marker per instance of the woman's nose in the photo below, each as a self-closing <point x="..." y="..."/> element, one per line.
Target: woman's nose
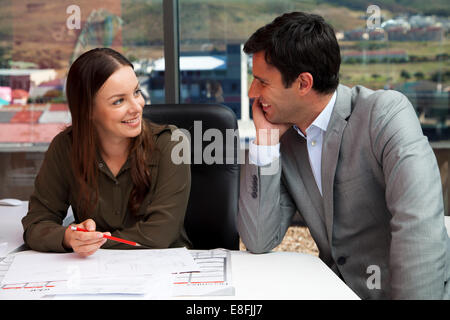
<point x="138" y="104"/>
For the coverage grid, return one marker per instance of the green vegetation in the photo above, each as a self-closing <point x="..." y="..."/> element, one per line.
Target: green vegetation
<point x="427" y="61"/>
<point x="435" y="7"/>
<point x="394" y="73"/>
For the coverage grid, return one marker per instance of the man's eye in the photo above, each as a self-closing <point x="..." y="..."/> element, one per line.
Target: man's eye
<point x="118" y="101"/>
<point x="137" y="92"/>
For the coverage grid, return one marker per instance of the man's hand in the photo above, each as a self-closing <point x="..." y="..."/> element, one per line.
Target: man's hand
<point x="84" y="243"/>
<point x="267" y="133"/>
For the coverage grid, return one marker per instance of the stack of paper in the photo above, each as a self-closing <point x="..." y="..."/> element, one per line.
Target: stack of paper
<point x="214" y="278"/>
<point x="136" y="272"/>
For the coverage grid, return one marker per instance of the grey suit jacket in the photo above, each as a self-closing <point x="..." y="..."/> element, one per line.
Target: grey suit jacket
<point x="380" y="222"/>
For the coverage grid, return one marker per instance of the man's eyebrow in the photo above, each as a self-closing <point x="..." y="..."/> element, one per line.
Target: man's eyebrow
<point x="260" y="79"/>
<point x="123" y="94"/>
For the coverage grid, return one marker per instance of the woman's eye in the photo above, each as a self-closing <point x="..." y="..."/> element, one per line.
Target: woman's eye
<point x="118" y="101"/>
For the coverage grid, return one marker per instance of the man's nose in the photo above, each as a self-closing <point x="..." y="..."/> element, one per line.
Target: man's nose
<point x="253" y="92"/>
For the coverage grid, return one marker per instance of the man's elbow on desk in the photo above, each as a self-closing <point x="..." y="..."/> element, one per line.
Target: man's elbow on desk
<point x="257" y="251"/>
<point x="258" y="248"/>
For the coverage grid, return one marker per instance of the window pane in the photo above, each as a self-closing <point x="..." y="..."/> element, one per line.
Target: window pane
<point x="380" y="49"/>
<point x="213" y="68"/>
<point x="39" y="39"/>
<point x="389" y="46"/>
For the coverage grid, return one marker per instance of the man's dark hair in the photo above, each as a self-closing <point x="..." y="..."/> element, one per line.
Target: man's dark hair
<point x="299" y="42"/>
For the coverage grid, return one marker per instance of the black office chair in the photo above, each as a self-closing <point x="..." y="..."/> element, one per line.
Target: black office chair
<point x="213" y="203"/>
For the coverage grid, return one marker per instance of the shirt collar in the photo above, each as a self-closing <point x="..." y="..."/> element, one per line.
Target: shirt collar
<point x="323" y="118"/>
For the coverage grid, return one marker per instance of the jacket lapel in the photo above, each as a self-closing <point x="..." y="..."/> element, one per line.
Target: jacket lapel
<point x="330" y="152"/>
<point x="302" y="161"/>
<point x="304" y="190"/>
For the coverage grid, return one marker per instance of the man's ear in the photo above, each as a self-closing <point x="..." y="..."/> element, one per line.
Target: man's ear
<point x="305" y="83"/>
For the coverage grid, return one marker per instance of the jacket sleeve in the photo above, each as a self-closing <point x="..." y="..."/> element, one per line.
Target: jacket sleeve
<point x="265" y="207"/>
<point x="163" y="218"/>
<point x="414" y="198"/>
<point x="48" y="204"/>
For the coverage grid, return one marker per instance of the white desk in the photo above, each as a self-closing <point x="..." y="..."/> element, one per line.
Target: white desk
<point x="270" y="276"/>
<point x="276" y="275"/>
<point x="11" y="230"/>
<point x="287" y="275"/>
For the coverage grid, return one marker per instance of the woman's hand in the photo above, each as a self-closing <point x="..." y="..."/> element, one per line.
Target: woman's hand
<point x="84" y="243"/>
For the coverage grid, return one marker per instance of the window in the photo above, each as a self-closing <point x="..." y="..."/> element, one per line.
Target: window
<point x="382" y="47"/>
<point x="39" y="39"/>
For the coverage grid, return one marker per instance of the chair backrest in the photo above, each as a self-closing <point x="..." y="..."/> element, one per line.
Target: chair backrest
<point x="213" y="203"/>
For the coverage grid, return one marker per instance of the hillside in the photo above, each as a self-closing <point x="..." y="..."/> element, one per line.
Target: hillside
<point x="234" y="20"/>
<point x="40" y="35"/>
<point x="435" y="7"/>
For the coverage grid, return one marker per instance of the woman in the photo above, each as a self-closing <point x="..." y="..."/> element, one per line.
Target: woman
<point x="113" y="167"/>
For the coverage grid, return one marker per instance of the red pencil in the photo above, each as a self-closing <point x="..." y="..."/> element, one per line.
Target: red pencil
<point x="108" y="237"/>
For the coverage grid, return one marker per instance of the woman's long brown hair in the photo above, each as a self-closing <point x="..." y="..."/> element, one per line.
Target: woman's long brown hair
<point x="86" y="76"/>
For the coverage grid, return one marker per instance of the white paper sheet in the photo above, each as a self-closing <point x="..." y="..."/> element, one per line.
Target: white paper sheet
<point x="214" y="279"/>
<point x="32" y="266"/>
<point x="157" y="286"/>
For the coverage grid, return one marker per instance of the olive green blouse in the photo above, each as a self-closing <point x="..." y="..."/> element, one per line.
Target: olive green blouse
<point x="159" y="222"/>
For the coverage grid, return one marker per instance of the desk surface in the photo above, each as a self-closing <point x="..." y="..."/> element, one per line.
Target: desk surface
<point x="285" y="275"/>
<point x="11" y="230"/>
<point x="275" y="275"/>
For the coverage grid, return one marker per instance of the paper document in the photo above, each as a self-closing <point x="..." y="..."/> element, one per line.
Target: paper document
<point x="32" y="266"/>
<point x="136" y="274"/>
<point x="3" y="249"/>
<point x="4" y="266"/>
<point x="148" y="273"/>
<point x="152" y="286"/>
<point x="21" y="290"/>
<point x="214" y="277"/>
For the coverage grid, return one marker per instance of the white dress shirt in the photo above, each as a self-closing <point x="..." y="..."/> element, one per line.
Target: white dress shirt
<point x="261" y="155"/>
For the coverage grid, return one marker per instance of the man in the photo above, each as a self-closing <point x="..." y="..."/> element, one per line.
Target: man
<point x="353" y="162"/>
